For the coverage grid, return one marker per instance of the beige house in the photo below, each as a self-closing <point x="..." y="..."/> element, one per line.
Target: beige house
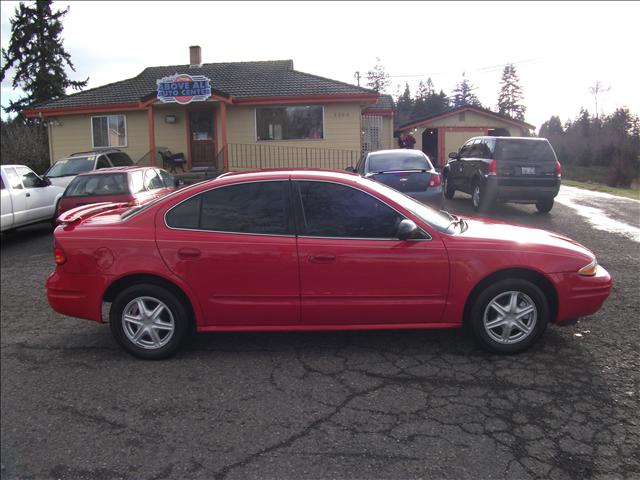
<point x="445" y="132"/>
<point x="222" y="116"/>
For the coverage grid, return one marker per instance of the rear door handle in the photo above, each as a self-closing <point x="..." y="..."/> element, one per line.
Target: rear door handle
<point x="27" y="194"/>
<point x="187" y="253"/>
<point x="322" y="258"/>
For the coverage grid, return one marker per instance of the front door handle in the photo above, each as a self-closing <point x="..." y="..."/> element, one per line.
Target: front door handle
<point x="189" y="253"/>
<point x="322" y="258"/>
<point x="27" y="194"/>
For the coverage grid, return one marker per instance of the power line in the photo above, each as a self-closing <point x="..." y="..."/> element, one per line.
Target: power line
<point x="487" y="69"/>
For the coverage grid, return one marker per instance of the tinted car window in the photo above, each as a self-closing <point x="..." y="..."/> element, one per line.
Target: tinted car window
<point x="71" y="166"/>
<point x="332" y="210"/>
<point x="464" y="151"/>
<point x="152" y="180"/>
<point x="120" y="159"/>
<point x="391" y="162"/>
<point x="29" y="179"/>
<point x="258" y="207"/>
<point x="106" y="184"/>
<point x="102" y="163"/>
<point x="168" y="179"/>
<point x="532" y="151"/>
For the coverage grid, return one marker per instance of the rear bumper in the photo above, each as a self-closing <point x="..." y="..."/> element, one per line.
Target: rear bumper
<point x="580" y="296"/>
<point x="432" y="196"/>
<point x="524" y="189"/>
<point x="76" y="295"/>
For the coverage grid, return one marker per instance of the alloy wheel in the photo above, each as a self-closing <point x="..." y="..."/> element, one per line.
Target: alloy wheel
<point x="148" y="323"/>
<point x="510" y="317"/>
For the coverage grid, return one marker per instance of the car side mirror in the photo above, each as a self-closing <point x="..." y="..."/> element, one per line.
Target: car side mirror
<point x="350" y="169"/>
<point x="454" y="155"/>
<point x="45" y="182"/>
<point x="407" y="230"/>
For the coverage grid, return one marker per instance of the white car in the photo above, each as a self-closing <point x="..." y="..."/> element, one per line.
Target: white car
<point x="64" y="170"/>
<point x="26" y="197"/>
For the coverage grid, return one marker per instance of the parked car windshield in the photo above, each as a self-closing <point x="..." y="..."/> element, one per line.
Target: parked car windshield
<point x="102" y="184"/>
<point x="532" y="151"/>
<point x="393" y="162"/>
<point x="437" y="219"/>
<point x="71" y="166"/>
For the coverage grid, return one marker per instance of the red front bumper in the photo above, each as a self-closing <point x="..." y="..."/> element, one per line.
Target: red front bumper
<point x="579" y="296"/>
<point x="76" y="295"/>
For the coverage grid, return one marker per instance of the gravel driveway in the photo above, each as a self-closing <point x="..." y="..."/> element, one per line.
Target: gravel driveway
<point x="365" y="405"/>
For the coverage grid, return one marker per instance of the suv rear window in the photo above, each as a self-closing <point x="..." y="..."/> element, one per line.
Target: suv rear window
<point x="71" y="166"/>
<point x="531" y="151"/>
<point x="89" y="185"/>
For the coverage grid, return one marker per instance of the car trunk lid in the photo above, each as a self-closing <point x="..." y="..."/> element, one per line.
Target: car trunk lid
<point x="404" y="181"/>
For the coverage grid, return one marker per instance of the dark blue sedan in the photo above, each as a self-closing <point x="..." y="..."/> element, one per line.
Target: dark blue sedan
<point x="408" y="171"/>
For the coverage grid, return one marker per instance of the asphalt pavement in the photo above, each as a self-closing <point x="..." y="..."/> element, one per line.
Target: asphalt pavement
<point x="341" y="405"/>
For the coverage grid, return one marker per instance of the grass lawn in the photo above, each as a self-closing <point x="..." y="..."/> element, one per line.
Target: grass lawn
<point x="600" y="187"/>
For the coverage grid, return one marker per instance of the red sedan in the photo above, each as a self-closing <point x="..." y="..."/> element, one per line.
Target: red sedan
<point x="312" y="250"/>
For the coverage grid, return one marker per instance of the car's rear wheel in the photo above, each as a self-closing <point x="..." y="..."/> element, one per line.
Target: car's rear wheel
<point x="479" y="197"/>
<point x="448" y="189"/>
<point x="148" y="321"/>
<point x="544" y="206"/>
<point x="509" y="316"/>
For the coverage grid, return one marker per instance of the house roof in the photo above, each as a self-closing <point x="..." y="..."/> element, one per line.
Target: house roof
<point x="275" y="78"/>
<point x="446" y="113"/>
<point x="384" y="101"/>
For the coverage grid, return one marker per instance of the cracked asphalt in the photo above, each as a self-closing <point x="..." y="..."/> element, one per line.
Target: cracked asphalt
<point x="340" y="405"/>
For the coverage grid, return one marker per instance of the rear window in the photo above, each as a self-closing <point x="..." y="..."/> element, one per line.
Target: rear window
<point x="393" y="162"/>
<point x="531" y="151"/>
<point x="120" y="159"/>
<point x="90" y="185"/>
<point x="71" y="166"/>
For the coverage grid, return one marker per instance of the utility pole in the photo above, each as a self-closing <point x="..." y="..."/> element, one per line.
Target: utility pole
<point x="357" y="77"/>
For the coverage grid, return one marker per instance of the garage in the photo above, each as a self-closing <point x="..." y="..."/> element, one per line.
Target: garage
<point x="444" y="132"/>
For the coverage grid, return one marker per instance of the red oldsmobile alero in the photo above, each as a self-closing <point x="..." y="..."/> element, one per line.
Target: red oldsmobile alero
<point x="312" y="250"/>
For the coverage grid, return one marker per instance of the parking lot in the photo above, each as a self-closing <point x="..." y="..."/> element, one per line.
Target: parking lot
<point x="391" y="404"/>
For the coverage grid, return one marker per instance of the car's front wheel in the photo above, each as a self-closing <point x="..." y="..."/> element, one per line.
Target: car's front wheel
<point x="479" y="197"/>
<point x="509" y="316"/>
<point x="544" y="206"/>
<point x="148" y="321"/>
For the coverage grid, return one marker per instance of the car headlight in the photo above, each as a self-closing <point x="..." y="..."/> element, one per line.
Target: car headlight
<point x="590" y="269"/>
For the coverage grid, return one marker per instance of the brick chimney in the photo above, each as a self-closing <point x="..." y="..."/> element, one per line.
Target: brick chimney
<point x="195" y="55"/>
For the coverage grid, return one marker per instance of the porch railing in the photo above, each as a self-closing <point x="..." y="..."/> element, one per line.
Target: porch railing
<point x="258" y="156"/>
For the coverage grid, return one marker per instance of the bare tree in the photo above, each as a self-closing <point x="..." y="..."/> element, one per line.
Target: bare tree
<point x="597" y="90"/>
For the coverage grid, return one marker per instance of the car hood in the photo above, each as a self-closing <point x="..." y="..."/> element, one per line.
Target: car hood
<point x="61" y="181"/>
<point x="483" y="234"/>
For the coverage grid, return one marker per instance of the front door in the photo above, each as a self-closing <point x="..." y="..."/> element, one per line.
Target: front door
<point x="202" y="128"/>
<point x="354" y="269"/>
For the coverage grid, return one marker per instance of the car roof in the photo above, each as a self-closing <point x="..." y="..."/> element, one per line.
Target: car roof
<point x="533" y="139"/>
<point x="288" y="173"/>
<point x="398" y="152"/>
<point x="104" y="171"/>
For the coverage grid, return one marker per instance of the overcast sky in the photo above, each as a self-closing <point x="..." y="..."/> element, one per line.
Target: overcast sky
<point x="559" y="49"/>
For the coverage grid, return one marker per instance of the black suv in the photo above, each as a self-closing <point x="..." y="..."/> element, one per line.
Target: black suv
<point x="517" y="169"/>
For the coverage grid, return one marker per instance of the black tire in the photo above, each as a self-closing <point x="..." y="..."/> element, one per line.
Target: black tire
<point x="544" y="206"/>
<point x="173" y="313"/>
<point x="479" y="199"/>
<point x="447" y="188"/>
<point x="533" y="324"/>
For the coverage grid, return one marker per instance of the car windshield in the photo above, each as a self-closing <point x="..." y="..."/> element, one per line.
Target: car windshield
<point x="393" y="162"/>
<point x="71" y="166"/>
<point x="439" y="220"/>
<point x="533" y="151"/>
<point x="99" y="184"/>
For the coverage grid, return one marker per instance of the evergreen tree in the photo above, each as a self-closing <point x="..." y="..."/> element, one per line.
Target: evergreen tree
<point x="38" y="56"/>
<point x="510" y="96"/>
<point x="551" y="128"/>
<point x="404" y="105"/>
<point x="463" y="94"/>
<point x="378" y="78"/>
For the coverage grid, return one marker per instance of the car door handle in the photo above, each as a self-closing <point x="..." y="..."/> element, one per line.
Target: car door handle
<point x="322" y="258"/>
<point x="27" y="194"/>
<point x="187" y="253"/>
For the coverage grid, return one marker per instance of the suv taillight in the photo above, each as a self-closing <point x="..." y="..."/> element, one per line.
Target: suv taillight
<point x="59" y="255"/>
<point x="558" y="169"/>
<point x="435" y="181"/>
<point x="493" y="167"/>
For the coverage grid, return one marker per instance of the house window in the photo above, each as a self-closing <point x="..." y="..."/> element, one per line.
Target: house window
<point x="290" y="123"/>
<point x="109" y="131"/>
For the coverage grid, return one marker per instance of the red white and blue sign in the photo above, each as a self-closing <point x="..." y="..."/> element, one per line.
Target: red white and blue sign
<point x="183" y="88"/>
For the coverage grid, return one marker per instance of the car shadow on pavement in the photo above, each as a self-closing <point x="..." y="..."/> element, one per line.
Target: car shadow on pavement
<point x="25" y="234"/>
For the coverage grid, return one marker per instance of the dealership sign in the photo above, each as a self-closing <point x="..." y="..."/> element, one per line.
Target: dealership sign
<point x="182" y="88"/>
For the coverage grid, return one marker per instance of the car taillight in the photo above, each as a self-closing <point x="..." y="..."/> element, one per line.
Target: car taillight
<point x="493" y="167"/>
<point x="558" y="169"/>
<point x="435" y="181"/>
<point x="59" y="255"/>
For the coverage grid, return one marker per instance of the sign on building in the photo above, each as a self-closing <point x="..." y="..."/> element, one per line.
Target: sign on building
<point x="183" y="88"/>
